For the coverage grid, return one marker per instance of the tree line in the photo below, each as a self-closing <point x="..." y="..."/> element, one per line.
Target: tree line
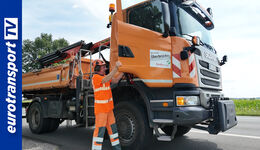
<point x="35" y="49"/>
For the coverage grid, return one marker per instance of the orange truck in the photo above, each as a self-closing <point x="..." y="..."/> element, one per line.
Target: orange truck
<point x="172" y="76"/>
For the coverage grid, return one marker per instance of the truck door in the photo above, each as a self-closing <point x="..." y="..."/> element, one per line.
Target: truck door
<point x="137" y="42"/>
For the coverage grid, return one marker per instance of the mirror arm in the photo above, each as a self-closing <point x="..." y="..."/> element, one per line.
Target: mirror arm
<point x="166" y="18"/>
<point x="165" y="34"/>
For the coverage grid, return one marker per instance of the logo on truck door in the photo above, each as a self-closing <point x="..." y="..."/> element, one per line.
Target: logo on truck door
<point x="160" y="59"/>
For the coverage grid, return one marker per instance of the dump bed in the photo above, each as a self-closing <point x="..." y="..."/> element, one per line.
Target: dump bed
<point x="63" y="76"/>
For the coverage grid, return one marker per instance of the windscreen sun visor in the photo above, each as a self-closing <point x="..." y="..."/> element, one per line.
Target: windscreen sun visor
<point x="199" y="13"/>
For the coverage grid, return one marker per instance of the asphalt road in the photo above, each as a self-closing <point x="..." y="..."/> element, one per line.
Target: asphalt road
<point x="245" y="136"/>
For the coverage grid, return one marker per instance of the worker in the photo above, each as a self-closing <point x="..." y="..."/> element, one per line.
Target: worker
<point x="104" y="105"/>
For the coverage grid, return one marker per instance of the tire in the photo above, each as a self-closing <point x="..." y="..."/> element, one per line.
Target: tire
<point x="37" y="123"/>
<point x="181" y="130"/>
<point x="54" y="124"/>
<point x="133" y="127"/>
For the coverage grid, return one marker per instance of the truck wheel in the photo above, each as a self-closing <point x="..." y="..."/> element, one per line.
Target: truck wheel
<point x="54" y="124"/>
<point x="133" y="128"/>
<point x="181" y="130"/>
<point x="37" y="123"/>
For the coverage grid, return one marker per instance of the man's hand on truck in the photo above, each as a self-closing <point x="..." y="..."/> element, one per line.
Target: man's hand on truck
<point x="112" y="73"/>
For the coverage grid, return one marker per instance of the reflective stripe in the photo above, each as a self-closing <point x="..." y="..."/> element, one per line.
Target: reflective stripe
<point x="175" y="75"/>
<point x="153" y="80"/>
<point x="102" y="89"/>
<point x="176" y="62"/>
<point x="176" y="66"/>
<point x="113" y="136"/>
<point x="191" y="58"/>
<point x="160" y="101"/>
<point x="115" y="142"/>
<point x="103" y="101"/>
<point x="97" y="139"/>
<point x="156" y="81"/>
<point x="95" y="147"/>
<point x="192" y="73"/>
<point x="38" y="83"/>
<point x="192" y="65"/>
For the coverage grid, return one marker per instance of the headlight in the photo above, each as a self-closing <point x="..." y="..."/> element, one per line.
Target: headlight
<point x="187" y="100"/>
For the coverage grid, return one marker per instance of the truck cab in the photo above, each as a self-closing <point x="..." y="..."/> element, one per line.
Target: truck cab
<point x="166" y="47"/>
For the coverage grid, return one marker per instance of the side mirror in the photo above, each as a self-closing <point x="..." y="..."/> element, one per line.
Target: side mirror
<point x="166" y="18"/>
<point x="184" y="55"/>
<point x="209" y="10"/>
<point x="223" y="61"/>
<point x="225" y="58"/>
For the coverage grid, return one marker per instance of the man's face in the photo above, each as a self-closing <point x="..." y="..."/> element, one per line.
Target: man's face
<point x="102" y="70"/>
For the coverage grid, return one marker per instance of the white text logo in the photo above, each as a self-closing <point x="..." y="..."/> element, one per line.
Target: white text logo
<point x="11" y="28"/>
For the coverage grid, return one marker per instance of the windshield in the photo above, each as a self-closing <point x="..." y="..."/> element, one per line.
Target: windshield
<point x="190" y="26"/>
<point x="147" y="15"/>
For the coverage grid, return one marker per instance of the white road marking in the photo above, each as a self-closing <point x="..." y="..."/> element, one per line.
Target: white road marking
<point x="228" y="134"/>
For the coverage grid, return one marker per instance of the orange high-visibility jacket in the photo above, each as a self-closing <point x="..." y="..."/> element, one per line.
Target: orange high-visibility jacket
<point x="103" y="95"/>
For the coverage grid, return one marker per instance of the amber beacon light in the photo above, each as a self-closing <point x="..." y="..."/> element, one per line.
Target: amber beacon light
<point x="112" y="8"/>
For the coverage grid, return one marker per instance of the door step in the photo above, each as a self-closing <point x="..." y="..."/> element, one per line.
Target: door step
<point x="164" y="138"/>
<point x="165" y="121"/>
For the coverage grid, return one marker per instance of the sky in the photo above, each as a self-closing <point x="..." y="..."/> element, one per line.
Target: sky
<point x="236" y="33"/>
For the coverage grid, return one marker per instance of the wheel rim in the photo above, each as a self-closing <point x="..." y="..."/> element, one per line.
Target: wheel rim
<point x="35" y="118"/>
<point x="126" y="127"/>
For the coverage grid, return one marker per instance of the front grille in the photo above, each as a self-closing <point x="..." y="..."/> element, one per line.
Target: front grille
<point x="204" y="64"/>
<point x="210" y="82"/>
<point x="213" y="95"/>
<point x="209" y="74"/>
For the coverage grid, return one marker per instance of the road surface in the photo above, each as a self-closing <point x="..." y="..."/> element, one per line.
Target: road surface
<point x="245" y="136"/>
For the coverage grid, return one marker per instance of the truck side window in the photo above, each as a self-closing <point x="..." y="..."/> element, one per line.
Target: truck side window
<point x="147" y="15"/>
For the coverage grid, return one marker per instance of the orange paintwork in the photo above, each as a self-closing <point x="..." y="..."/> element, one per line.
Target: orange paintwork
<point x="47" y="77"/>
<point x="177" y="46"/>
<point x="141" y="41"/>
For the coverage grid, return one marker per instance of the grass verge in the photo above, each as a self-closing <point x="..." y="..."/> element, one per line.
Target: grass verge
<point x="247" y="107"/>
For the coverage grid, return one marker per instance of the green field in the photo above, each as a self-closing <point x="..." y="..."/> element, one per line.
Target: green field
<point x="247" y="107"/>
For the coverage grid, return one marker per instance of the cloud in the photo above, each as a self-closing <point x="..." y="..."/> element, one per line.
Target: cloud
<point x="98" y="9"/>
<point x="71" y="19"/>
<point x="75" y="6"/>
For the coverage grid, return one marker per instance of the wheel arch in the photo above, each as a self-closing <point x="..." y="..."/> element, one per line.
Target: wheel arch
<point x="135" y="94"/>
<point x="35" y="100"/>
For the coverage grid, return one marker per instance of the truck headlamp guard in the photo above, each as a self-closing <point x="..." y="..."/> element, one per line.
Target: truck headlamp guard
<point x="187" y="100"/>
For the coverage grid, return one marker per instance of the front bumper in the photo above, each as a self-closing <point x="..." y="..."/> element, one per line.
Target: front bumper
<point x="218" y="115"/>
<point x="189" y="115"/>
<point x="223" y="114"/>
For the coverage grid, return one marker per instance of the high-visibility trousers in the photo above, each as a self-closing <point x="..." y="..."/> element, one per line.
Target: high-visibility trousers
<point x="105" y="121"/>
